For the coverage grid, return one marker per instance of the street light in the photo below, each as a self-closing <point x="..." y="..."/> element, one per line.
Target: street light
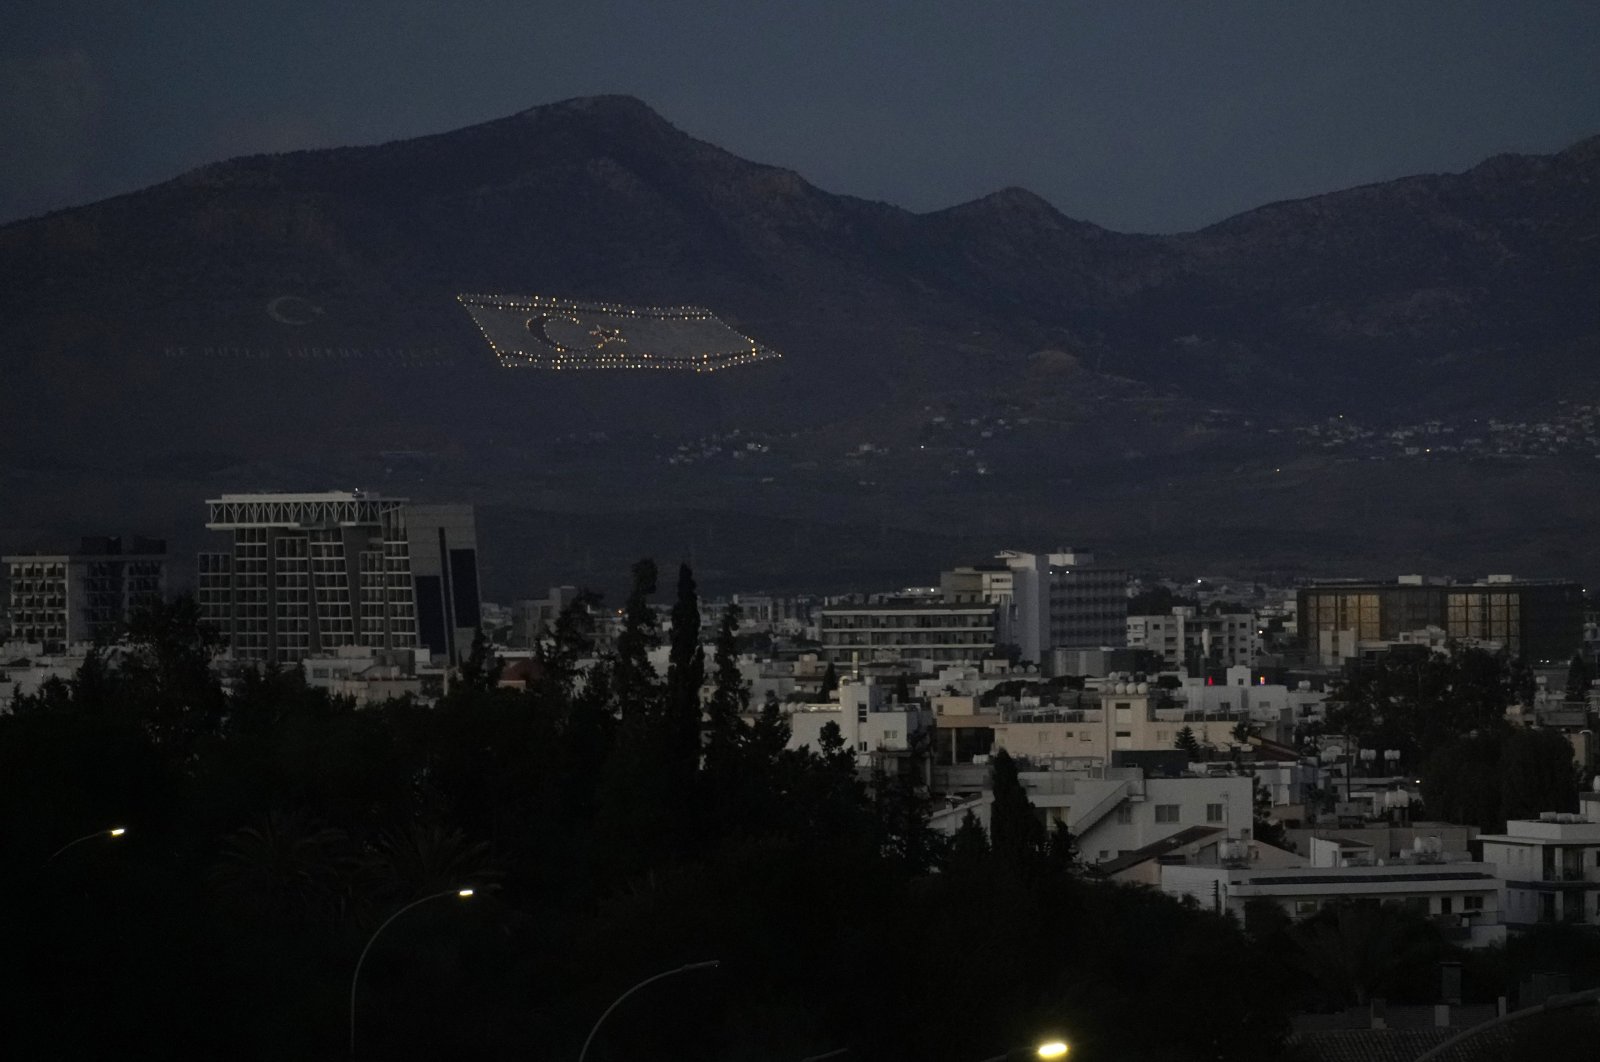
<point x="463" y="894"/>
<point x="1050" y="1049"/>
<point x="112" y="834"/>
<point x="709" y="964"/>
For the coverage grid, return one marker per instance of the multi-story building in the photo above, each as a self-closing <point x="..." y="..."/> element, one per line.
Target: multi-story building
<point x="1065" y="600"/>
<point x="1549" y="869"/>
<point x="87" y="595"/>
<point x="1117" y="810"/>
<point x="924" y="634"/>
<point x="871" y="722"/>
<point x="1536" y="620"/>
<point x="310" y="573"/>
<point x="1051" y="735"/>
<point x="1185" y="635"/>
<point x="1462" y="899"/>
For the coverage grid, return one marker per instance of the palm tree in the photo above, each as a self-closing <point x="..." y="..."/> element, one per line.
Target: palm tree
<point x="288" y="865"/>
<point x="423" y="858"/>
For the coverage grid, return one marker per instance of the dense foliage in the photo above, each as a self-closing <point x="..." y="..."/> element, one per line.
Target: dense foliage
<point x="272" y="829"/>
<point x="1446" y="716"/>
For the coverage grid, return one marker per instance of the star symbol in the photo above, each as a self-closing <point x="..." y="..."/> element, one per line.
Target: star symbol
<point x="606" y="335"/>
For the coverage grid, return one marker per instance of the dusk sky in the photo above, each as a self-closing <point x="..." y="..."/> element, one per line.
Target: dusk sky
<point x="1151" y="116"/>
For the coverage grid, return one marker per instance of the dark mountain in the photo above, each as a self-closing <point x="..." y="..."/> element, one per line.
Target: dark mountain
<point x="304" y="303"/>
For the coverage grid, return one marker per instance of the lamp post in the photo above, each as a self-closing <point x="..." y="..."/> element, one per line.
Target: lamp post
<point x="112" y="834"/>
<point x="709" y="964"/>
<point x="463" y="894"/>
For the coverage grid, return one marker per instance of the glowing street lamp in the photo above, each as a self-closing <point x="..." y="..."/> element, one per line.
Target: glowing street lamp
<point x="463" y="894"/>
<point x="112" y="834"/>
<point x="1050" y="1049"/>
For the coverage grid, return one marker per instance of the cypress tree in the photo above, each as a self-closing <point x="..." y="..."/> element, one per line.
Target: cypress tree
<point x="636" y="682"/>
<point x="1015" y="833"/>
<point x="686" y="673"/>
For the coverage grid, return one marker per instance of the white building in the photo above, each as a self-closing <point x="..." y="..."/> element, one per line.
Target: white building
<point x="1115" y="811"/>
<point x="1065" y="600"/>
<point x="86" y="595"/>
<point x="25" y="667"/>
<point x="1549" y="869"/>
<point x="366" y="675"/>
<point x="1227" y="638"/>
<point x="870" y="721"/>
<point x="923" y="635"/>
<point x="1463" y="899"/>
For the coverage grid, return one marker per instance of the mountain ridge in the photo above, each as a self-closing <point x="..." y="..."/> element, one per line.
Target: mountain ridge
<point x="304" y="303"/>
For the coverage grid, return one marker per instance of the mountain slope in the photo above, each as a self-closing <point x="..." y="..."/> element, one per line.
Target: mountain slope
<point x="223" y="289"/>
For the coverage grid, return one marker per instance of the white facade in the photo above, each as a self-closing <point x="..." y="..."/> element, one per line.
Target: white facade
<point x="365" y="675"/>
<point x="924" y="636"/>
<point x="1549" y="869"/>
<point x="1463" y="899"/>
<point x="25" y="666"/>
<point x="870" y="722"/>
<point x="1117" y="810"/>
<point x="1229" y="638"/>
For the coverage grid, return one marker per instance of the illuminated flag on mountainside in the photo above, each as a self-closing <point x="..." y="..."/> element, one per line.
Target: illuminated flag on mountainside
<point x="530" y="331"/>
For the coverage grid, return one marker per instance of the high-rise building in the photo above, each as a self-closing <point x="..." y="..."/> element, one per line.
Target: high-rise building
<point x="1066" y="600"/>
<point x="444" y="570"/>
<point x="309" y="573"/>
<point x="1536" y="620"/>
<point x="87" y="595"/>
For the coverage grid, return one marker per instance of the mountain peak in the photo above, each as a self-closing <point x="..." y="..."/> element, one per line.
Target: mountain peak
<point x="606" y="105"/>
<point x="1012" y="199"/>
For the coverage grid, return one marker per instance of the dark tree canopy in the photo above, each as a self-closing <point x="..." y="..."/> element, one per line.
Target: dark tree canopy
<point x="272" y="828"/>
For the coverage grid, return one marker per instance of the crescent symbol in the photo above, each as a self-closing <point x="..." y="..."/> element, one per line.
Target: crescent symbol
<point x="536" y="328"/>
<point x="282" y="309"/>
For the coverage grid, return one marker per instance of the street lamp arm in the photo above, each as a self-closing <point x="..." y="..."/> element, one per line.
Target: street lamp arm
<point x="1554" y="1003"/>
<point x="355" y="977"/>
<point x="113" y="832"/>
<point x="584" y="1053"/>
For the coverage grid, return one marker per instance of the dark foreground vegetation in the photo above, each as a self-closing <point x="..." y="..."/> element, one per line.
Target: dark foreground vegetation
<point x="272" y="829"/>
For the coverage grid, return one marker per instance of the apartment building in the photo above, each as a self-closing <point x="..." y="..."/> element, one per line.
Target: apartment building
<point x="1118" y="810"/>
<point x="872" y="723"/>
<point x="1463" y="899"/>
<point x="306" y="574"/>
<point x="1549" y="869"/>
<point x="1185" y="635"/>
<point x="86" y="595"/>
<point x="924" y="634"/>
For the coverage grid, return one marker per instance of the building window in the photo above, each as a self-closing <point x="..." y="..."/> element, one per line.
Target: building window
<point x="1213" y="812"/>
<point x="1166" y="813"/>
<point x="1303" y="908"/>
<point x="1124" y="814"/>
<point x="1472" y="903"/>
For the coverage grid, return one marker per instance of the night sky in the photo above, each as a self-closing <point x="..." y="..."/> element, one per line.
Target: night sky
<point x="1149" y="117"/>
